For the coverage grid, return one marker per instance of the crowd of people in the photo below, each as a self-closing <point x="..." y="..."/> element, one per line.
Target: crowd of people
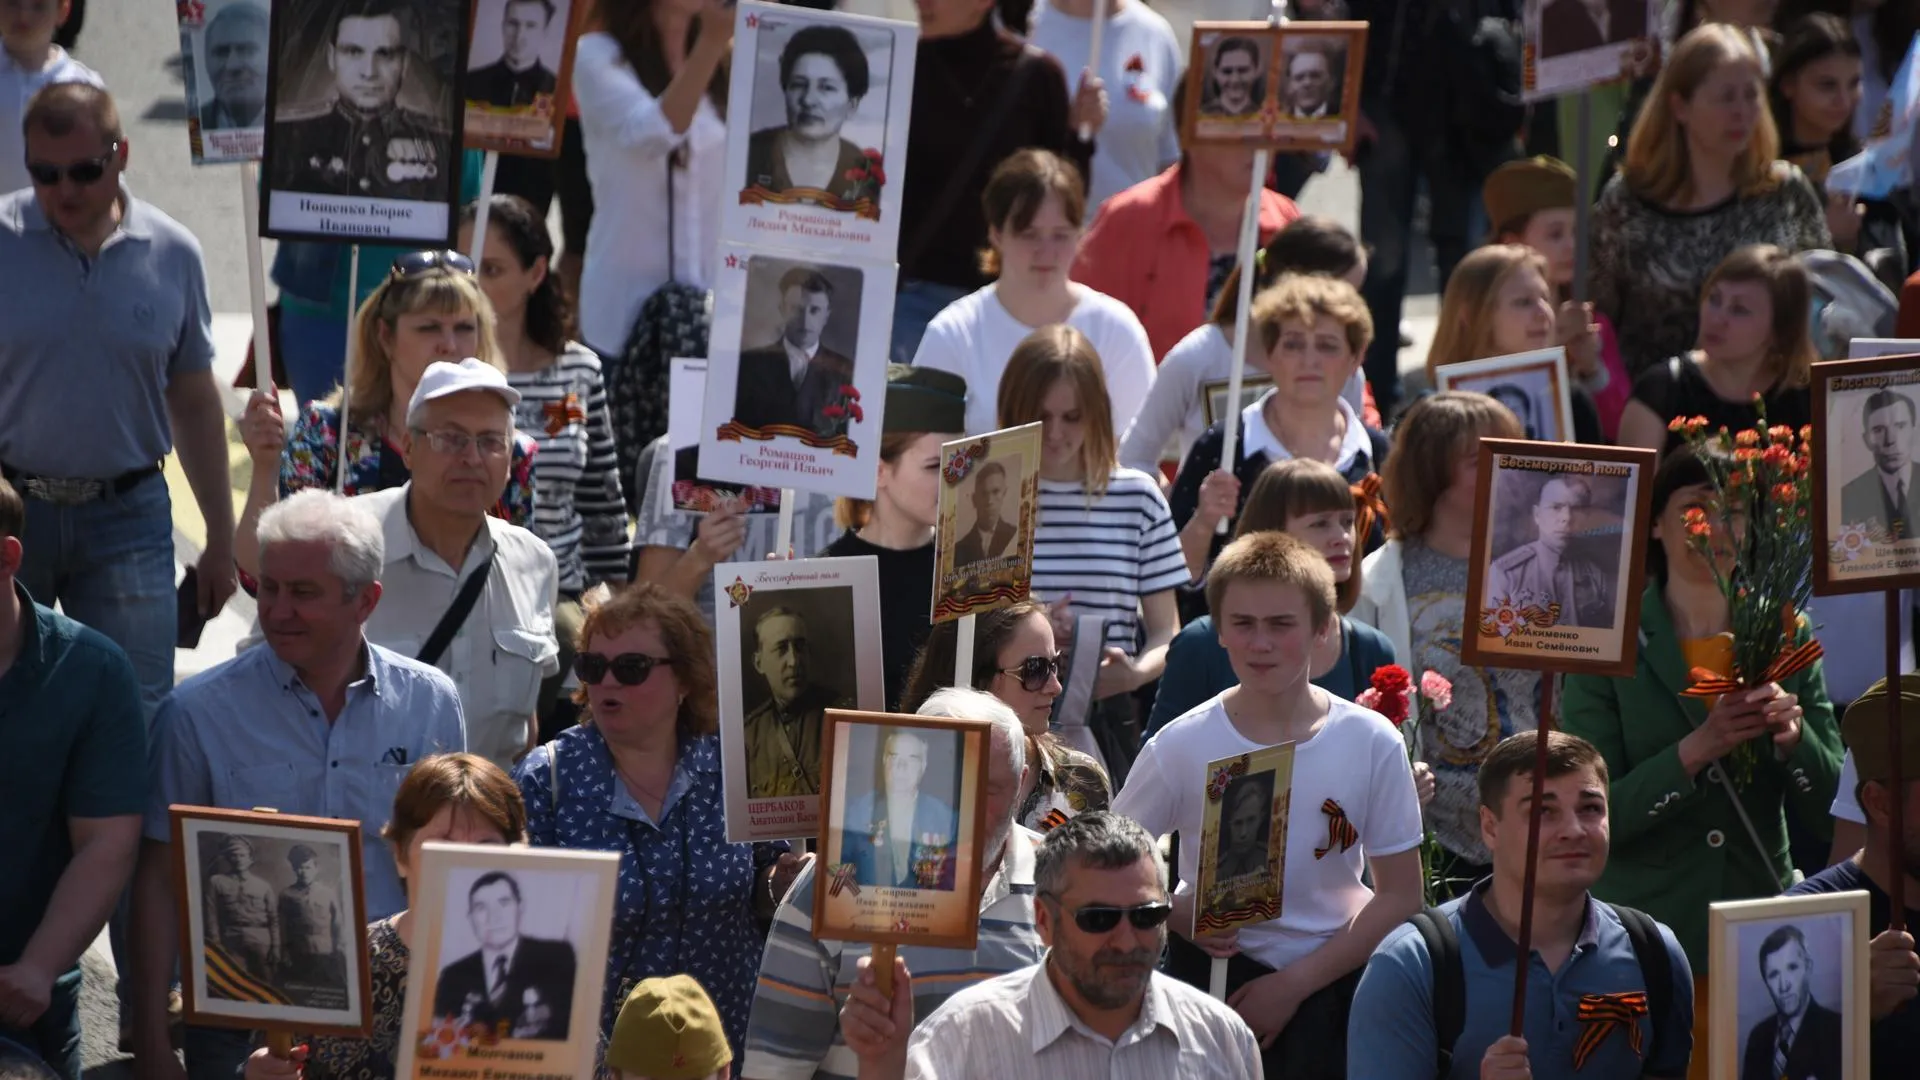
<point x="479" y="620"/>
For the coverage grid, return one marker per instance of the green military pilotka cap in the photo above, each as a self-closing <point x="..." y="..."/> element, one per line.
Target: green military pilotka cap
<point x="924" y="399"/>
<point x="1867" y="726"/>
<point x="668" y="1029"/>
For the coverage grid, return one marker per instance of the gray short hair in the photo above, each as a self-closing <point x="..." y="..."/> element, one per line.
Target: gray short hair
<point x="1096" y="840"/>
<point x="960" y="703"/>
<point x="349" y="529"/>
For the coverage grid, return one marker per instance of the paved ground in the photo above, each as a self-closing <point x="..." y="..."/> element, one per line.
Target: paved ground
<point x="135" y="47"/>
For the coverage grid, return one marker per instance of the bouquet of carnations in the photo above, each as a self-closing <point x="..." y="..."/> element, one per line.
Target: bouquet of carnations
<point x="1388" y="696"/>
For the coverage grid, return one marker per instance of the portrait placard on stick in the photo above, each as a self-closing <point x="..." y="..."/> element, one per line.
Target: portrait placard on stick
<point x="1533" y="385"/>
<point x="1243" y="839"/>
<point x="1791" y="964"/>
<point x="550" y="912"/>
<point x="1574" y="44"/>
<point x="1291" y="87"/>
<point x="1214" y="392"/>
<point x="1557" y="557"/>
<point x="363" y="139"/>
<point x="273" y="932"/>
<point x="689" y="492"/>
<point x="794" y="639"/>
<point x="817" y="160"/>
<point x="223" y="62"/>
<point x="797" y="377"/>
<point x="902" y="830"/>
<point x="1864" y="473"/>
<point x="989" y="505"/>
<point x="518" y="71"/>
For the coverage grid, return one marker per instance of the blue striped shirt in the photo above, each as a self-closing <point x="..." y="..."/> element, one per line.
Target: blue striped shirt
<point x="1107" y="552"/>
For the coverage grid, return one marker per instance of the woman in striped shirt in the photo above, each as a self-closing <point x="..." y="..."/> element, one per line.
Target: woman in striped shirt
<point x="563" y="406"/>
<point x="1105" y="543"/>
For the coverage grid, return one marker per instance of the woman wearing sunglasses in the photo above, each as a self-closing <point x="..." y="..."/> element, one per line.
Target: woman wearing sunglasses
<point x="640" y="776"/>
<point x="429" y="308"/>
<point x="1014" y="659"/>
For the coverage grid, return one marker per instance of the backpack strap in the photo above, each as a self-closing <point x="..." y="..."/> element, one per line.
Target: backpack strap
<point x="1656" y="968"/>
<point x="1449" y="982"/>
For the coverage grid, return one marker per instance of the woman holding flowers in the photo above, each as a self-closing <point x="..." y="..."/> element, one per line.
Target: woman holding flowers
<point x="1700" y="785"/>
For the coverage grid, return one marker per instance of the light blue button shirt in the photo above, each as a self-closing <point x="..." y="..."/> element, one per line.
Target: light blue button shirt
<point x="248" y="733"/>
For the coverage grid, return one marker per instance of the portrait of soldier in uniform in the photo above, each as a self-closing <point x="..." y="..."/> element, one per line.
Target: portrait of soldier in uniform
<point x="896" y="835"/>
<point x="1242" y="843"/>
<point x="1547" y="570"/>
<point x="312" y="926"/>
<point x="240" y="912"/>
<point x="518" y="76"/>
<point x="234" y="51"/>
<point x="782" y="734"/>
<point x="361" y="139"/>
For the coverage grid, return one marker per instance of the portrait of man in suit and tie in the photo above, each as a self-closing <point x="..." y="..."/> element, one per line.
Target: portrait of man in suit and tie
<point x="793" y="379"/>
<point x="517" y="76"/>
<point x="1801" y="1037"/>
<point x="1315" y="73"/>
<point x="519" y="985"/>
<point x="894" y="833"/>
<point x="991" y="534"/>
<point x="1571" y="26"/>
<point x="1883" y="492"/>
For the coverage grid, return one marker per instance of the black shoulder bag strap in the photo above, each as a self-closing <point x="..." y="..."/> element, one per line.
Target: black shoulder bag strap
<point x="1656" y="968"/>
<point x="456" y="613"/>
<point x="1449" y="982"/>
<point x="984" y="134"/>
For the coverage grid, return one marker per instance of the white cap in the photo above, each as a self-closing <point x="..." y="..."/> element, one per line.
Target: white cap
<point x="443" y="377"/>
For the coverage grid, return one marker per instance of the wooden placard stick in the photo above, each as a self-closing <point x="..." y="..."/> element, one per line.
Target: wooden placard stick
<point x="1523" y="947"/>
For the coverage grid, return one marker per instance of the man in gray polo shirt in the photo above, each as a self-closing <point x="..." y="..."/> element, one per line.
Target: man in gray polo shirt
<point x="105" y="366"/>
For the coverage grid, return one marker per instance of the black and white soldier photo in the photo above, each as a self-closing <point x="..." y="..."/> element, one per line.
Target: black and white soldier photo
<point x="276" y="918"/>
<point x="788" y="640"/>
<point x="1546" y="566"/>
<point x="515" y="72"/>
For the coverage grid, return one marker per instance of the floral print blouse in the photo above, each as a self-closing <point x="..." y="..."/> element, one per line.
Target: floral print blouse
<point x="1071" y="783"/>
<point x="374" y="1057"/>
<point x="686" y="896"/>
<point x="312" y="454"/>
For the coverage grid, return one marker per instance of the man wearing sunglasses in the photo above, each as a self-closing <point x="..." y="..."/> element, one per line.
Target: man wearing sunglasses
<point x="361" y="140"/>
<point x="1095" y="1006"/>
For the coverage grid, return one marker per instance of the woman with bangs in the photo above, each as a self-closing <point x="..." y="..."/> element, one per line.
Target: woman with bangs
<point x="1312" y="502"/>
<point x="1035" y="205"/>
<point x="640" y="776"/>
<point x="1105" y="543"/>
<point x="449" y="798"/>
<point x="1414" y="592"/>
<point x="429" y="308"/>
<point x="1699" y="181"/>
<point x="1755" y="341"/>
<point x="1499" y="302"/>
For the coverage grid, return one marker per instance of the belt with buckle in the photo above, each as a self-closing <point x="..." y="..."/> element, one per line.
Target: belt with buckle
<point x="66" y="491"/>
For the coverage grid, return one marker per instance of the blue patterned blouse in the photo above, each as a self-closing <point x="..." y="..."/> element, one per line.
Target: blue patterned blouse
<point x="686" y="894"/>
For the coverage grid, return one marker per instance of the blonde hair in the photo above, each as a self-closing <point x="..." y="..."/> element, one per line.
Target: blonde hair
<point x="1304" y="298"/>
<point x="1278" y="558"/>
<point x="1472" y="295"/>
<point x="370" y="373"/>
<point x="1657" y="166"/>
<point x="1434" y="434"/>
<point x="1049" y="355"/>
<point x="1790" y="348"/>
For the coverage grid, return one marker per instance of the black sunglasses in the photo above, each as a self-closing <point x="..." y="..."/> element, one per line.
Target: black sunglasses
<point x="415" y="263"/>
<point x="1034" y="672"/>
<point x="629" y="669"/>
<point x="1102" y="918"/>
<point x="81" y="173"/>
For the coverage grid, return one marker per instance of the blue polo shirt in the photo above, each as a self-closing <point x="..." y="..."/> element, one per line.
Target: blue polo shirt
<point x="248" y="733"/>
<point x="1391" y="1032"/>
<point x="73" y="744"/>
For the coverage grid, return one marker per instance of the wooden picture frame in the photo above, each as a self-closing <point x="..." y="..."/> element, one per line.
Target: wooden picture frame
<point x="1859" y="543"/>
<point x="236" y="971"/>
<point x="1259" y="101"/>
<point x="975" y="573"/>
<point x="1515" y="380"/>
<point x="558" y="905"/>
<point x="533" y="129"/>
<point x="1511" y="621"/>
<point x="856" y="896"/>
<point x="1213" y="394"/>
<point x="1832" y="935"/>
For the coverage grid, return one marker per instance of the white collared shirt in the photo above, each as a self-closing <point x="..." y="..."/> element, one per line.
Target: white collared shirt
<point x="797" y="359"/>
<point x="1257" y="438"/>
<point x="1018" y="1026"/>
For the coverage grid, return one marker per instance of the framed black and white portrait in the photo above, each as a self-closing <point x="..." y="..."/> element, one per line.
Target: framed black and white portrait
<point x="819" y="159"/>
<point x="519" y="66"/>
<point x="364" y="121"/>
<point x="1789" y="990"/>
<point x="272" y="924"/>
<point x="1532" y="385"/>
<point x="223" y="62"/>
<point x="1292" y="87"/>
<point x="1866" y="414"/>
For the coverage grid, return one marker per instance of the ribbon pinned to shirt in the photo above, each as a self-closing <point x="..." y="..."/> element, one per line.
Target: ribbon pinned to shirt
<point x="1601" y="1014"/>
<point x="1340" y="831"/>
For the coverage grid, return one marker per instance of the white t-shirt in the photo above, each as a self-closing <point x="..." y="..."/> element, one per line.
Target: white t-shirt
<point x="627" y="140"/>
<point x="1357" y="759"/>
<point x="974" y="336"/>
<point x="1140" y="64"/>
<point x="17" y="87"/>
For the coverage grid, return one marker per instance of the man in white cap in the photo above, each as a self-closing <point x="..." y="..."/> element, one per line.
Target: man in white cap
<point x="467" y="593"/>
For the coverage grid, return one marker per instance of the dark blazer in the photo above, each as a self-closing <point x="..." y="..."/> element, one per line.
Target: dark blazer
<point x="968" y="550"/>
<point x="541" y="973"/>
<point x="1864" y="498"/>
<point x="1814" y="1055"/>
<point x="868" y="846"/>
<point x="765" y="393"/>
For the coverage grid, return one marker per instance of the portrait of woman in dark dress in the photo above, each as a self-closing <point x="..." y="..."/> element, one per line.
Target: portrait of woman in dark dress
<point x="823" y="77"/>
